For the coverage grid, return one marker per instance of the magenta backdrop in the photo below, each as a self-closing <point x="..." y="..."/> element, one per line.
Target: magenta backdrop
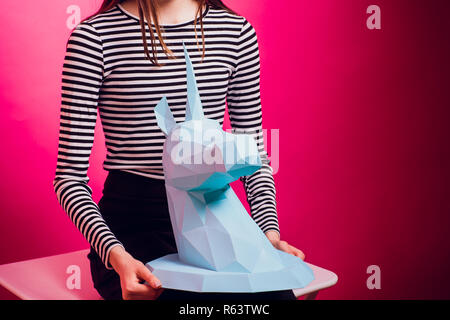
<point x="363" y="119"/>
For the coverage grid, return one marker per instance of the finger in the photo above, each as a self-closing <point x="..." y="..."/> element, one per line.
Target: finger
<point x="144" y="292"/>
<point x="133" y="290"/>
<point x="283" y="245"/>
<point x="145" y="274"/>
<point x="297" y="252"/>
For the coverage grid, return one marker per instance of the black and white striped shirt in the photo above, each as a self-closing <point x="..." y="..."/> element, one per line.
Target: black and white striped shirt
<point x="106" y="71"/>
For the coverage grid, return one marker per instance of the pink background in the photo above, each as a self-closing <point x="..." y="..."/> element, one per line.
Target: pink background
<point x="367" y="180"/>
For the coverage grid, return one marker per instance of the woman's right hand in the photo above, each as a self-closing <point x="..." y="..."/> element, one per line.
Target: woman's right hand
<point x="132" y="274"/>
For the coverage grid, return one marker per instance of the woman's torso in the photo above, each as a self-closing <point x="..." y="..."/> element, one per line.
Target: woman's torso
<point x="132" y="85"/>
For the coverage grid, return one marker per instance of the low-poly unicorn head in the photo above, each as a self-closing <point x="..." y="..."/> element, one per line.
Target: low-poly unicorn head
<point x="220" y="247"/>
<point x="198" y="153"/>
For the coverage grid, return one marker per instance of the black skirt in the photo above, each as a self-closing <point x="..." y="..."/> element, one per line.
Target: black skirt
<point x="135" y="209"/>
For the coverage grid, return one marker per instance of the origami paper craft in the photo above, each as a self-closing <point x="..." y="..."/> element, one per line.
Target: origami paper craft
<point x="220" y="247"/>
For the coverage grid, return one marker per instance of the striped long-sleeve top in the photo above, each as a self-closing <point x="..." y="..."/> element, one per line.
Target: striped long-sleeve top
<point x="106" y="72"/>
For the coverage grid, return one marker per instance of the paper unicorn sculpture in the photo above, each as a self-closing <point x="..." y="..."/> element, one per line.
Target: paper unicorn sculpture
<point x="220" y="247"/>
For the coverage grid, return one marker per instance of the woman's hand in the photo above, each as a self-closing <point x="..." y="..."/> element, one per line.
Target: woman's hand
<point x="274" y="238"/>
<point x="132" y="275"/>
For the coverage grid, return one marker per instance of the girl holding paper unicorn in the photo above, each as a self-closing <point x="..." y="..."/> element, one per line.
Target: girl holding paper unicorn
<point x="119" y="62"/>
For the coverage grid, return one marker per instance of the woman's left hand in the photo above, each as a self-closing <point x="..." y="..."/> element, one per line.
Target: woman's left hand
<point x="274" y="238"/>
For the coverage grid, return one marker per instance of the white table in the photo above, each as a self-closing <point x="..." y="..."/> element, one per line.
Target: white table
<point x="45" y="278"/>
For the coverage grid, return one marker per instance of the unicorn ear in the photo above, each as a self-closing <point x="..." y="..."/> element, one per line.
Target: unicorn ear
<point x="164" y="116"/>
<point x="194" y="109"/>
